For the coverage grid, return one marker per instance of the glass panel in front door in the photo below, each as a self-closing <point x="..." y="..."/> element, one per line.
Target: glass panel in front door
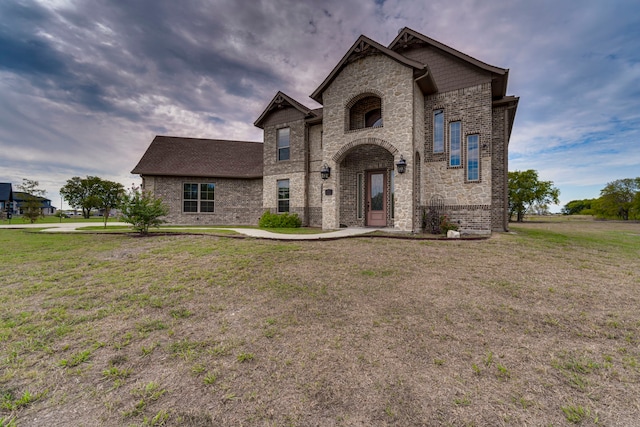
<point x="377" y="191"/>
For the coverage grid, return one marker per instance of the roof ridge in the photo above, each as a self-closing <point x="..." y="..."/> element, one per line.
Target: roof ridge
<point x="207" y="139"/>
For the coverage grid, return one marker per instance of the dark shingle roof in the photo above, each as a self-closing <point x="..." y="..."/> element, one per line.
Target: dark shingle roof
<point x="6" y="192"/>
<point x="175" y="156"/>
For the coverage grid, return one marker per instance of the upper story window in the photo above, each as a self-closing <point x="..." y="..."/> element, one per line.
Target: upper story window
<point x="365" y="113"/>
<point x="198" y="198"/>
<point x="455" y="142"/>
<point x="282" y="137"/>
<point x="438" y="131"/>
<point x="473" y="157"/>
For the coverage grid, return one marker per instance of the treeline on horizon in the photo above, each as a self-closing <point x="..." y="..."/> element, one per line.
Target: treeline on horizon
<point x="619" y="199"/>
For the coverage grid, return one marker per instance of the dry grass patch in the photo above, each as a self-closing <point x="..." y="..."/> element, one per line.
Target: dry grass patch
<point x="535" y="327"/>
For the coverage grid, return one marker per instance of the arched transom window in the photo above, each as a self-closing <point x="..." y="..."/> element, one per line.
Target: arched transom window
<point x="365" y="113"/>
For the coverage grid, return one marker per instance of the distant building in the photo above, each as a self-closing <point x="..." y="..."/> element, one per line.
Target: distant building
<point x="19" y="199"/>
<point x="6" y="197"/>
<point x="404" y="129"/>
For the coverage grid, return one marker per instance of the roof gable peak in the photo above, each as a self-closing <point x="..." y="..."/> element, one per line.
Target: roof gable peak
<point x="282" y="100"/>
<point x="362" y="47"/>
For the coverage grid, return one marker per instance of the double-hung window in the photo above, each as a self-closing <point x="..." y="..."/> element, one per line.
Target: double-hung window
<point x="198" y="198"/>
<point x="438" y="131"/>
<point x="455" y="142"/>
<point x="283" y="143"/>
<point x="473" y="157"/>
<point x="283" y="195"/>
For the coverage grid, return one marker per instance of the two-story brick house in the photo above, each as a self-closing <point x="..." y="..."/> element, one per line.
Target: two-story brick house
<point x="401" y="128"/>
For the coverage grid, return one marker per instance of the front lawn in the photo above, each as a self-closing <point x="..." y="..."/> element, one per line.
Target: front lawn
<point x="535" y="327"/>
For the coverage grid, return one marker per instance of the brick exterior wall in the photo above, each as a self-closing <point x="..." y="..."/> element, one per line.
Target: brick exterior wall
<point x="237" y="201"/>
<point x="418" y="142"/>
<point x="315" y="183"/>
<point x="472" y="107"/>
<point x="499" y="168"/>
<point x="295" y="169"/>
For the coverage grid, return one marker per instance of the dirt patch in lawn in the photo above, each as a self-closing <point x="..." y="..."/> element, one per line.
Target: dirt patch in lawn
<point x="535" y="327"/>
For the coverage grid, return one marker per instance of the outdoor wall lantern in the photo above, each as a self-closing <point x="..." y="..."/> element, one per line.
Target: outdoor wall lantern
<point x="325" y="171"/>
<point x="402" y="165"/>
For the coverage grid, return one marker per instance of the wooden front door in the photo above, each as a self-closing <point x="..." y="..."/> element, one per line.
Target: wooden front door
<point x="376" y="200"/>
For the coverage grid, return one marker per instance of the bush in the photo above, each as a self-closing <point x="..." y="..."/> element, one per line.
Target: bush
<point x="446" y="225"/>
<point x="283" y="220"/>
<point x="142" y="210"/>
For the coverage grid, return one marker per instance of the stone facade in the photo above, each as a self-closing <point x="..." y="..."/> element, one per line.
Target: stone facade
<point x="393" y="83"/>
<point x="378" y="108"/>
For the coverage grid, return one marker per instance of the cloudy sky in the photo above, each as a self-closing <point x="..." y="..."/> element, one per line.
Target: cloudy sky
<point x="85" y="85"/>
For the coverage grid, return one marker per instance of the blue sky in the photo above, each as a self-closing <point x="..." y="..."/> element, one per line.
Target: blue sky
<point x="85" y="85"/>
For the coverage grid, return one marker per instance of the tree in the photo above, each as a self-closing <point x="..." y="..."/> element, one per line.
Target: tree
<point x="525" y="190"/>
<point x="108" y="195"/>
<point x="80" y="193"/>
<point x="142" y="210"/>
<point x="32" y="201"/>
<point x="578" y="207"/>
<point x="619" y="198"/>
<point x="539" y="209"/>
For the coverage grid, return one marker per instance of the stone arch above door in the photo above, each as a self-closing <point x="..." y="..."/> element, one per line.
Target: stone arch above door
<point x="342" y="152"/>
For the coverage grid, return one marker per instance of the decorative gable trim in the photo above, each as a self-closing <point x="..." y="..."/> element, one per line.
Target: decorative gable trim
<point x="362" y="47"/>
<point x="408" y="37"/>
<point x="280" y="101"/>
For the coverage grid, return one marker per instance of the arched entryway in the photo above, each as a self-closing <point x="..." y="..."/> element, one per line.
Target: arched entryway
<point x="366" y="184"/>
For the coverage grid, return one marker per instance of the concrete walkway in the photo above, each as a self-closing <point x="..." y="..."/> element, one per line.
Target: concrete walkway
<point x="69" y="227"/>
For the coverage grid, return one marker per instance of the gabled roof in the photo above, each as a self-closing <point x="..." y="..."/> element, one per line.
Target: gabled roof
<point x="211" y="158"/>
<point x="363" y="46"/>
<point x="6" y="191"/>
<point x="282" y="100"/>
<point x="407" y="36"/>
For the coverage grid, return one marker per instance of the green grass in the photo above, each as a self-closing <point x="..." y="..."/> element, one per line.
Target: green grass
<point x="55" y="220"/>
<point x="625" y="243"/>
